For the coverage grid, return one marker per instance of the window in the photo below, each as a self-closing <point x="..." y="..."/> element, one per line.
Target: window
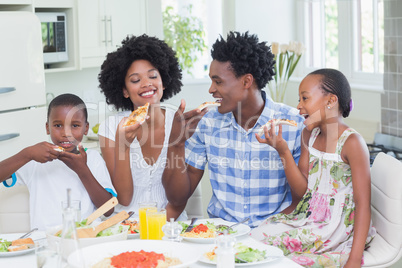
<point x="346" y="35"/>
<point x="209" y="13"/>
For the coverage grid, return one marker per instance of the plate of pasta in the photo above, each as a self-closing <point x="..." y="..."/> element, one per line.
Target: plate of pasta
<point x="140" y="252"/>
<point x="133" y="229"/>
<point x="204" y="231"/>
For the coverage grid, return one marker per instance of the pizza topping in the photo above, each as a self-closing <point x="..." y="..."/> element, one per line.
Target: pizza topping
<point x="209" y="104"/>
<point x="275" y="122"/>
<point x="138" y="115"/>
<point x="59" y="149"/>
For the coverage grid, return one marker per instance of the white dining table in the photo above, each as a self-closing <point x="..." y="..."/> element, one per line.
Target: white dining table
<point x="29" y="260"/>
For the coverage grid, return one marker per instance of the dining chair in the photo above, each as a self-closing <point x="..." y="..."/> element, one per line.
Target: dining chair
<point x="386" y="212"/>
<point x="14" y="209"/>
<point x="194" y="207"/>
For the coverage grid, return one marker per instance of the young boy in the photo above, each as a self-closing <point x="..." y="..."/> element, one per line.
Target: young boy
<point x="49" y="169"/>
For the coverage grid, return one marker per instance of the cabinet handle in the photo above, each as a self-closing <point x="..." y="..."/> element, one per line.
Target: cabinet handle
<point x="9" y="136"/>
<point x="104" y="27"/>
<point x="6" y="89"/>
<point x="111" y="30"/>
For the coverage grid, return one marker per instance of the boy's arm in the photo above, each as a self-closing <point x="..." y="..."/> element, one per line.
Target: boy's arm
<point x="42" y="152"/>
<point x="78" y="163"/>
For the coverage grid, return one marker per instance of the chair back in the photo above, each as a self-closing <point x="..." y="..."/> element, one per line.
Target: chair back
<point x="194" y="204"/>
<point x="14" y="209"/>
<point x="386" y="212"/>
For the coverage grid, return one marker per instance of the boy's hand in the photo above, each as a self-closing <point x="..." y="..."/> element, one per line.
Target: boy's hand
<point x="42" y="152"/>
<point x="76" y="162"/>
<point x="273" y="140"/>
<point x="184" y="124"/>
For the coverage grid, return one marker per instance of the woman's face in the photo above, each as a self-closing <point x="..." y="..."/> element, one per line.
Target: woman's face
<point x="143" y="83"/>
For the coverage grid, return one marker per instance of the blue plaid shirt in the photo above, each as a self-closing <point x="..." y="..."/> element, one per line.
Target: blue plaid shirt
<point x="247" y="177"/>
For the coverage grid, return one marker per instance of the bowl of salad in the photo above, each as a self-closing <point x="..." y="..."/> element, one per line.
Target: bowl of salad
<point x="116" y="232"/>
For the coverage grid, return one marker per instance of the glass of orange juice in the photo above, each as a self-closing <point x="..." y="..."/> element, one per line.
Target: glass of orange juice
<point x="143" y="208"/>
<point x="156" y="220"/>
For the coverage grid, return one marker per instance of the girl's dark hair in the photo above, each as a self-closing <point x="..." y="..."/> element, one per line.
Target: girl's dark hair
<point x="115" y="67"/>
<point x="246" y="56"/>
<point x="334" y="82"/>
<point x="68" y="100"/>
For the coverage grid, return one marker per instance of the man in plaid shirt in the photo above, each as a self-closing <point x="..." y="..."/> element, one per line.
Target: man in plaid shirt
<point x="247" y="177"/>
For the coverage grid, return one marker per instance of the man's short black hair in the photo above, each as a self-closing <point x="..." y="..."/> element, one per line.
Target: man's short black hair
<point x="246" y="56"/>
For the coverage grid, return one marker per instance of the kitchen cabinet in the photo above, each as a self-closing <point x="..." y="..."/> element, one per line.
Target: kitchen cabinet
<point x="22" y="83"/>
<point x="103" y="24"/>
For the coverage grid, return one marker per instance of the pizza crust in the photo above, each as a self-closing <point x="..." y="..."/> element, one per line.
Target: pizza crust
<point x="275" y="122"/>
<point x="209" y="104"/>
<point x="138" y="115"/>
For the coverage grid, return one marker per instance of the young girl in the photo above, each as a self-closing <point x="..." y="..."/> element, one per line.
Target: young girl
<point x="331" y="225"/>
<point x="143" y="70"/>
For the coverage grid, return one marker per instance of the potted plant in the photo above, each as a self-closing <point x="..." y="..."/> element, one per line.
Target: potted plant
<point x="185" y="35"/>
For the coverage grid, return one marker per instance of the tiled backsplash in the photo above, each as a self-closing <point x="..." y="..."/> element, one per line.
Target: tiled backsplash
<point x="391" y="100"/>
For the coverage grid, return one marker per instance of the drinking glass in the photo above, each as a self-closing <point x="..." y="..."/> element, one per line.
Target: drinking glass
<point x="47" y="255"/>
<point x="76" y="206"/>
<point x="143" y="208"/>
<point x="155" y="221"/>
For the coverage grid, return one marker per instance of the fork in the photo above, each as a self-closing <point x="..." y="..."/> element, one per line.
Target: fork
<point x="231" y="226"/>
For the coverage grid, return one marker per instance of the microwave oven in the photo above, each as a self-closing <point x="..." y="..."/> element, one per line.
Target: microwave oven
<point x="54" y="36"/>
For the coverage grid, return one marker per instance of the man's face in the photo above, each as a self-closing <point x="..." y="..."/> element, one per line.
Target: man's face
<point x="226" y="87"/>
<point x="66" y="127"/>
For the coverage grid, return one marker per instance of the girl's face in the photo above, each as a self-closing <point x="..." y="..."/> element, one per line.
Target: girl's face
<point x="143" y="83"/>
<point x="312" y="101"/>
<point x="66" y="127"/>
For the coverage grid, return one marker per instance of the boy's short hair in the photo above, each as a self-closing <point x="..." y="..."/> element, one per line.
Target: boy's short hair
<point x="68" y="100"/>
<point x="246" y="56"/>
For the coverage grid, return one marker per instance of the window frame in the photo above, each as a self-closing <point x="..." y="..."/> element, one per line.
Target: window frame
<point x="347" y="46"/>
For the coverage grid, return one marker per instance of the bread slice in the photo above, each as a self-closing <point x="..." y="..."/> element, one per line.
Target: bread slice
<point x="138" y="115"/>
<point x="208" y="104"/>
<point x="275" y="122"/>
<point x="23" y="241"/>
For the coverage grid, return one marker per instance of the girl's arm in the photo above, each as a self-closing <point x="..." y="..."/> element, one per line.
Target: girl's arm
<point x="295" y="174"/>
<point x="356" y="154"/>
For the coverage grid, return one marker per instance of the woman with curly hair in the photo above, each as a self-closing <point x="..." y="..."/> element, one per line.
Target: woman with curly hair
<point x="143" y="70"/>
<point x="247" y="178"/>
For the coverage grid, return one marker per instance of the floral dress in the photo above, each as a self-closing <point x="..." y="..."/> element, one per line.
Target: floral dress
<point x="319" y="232"/>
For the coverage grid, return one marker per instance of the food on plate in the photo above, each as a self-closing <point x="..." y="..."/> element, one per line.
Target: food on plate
<point x="138" y="115"/>
<point x="137" y="259"/>
<point x="16" y="245"/>
<point x="134" y="226"/>
<point x="209" y="104"/>
<point x="207" y="230"/>
<point x="243" y="254"/>
<point x="275" y="122"/>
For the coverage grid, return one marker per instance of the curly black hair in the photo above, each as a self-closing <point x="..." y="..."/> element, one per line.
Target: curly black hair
<point x="144" y="47"/>
<point x="335" y="82"/>
<point x="246" y="56"/>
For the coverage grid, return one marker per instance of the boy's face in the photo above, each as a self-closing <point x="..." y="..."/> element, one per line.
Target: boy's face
<point x="66" y="127"/>
<point x="226" y="86"/>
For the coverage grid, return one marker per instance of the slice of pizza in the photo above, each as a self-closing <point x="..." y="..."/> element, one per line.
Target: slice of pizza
<point x="59" y="149"/>
<point x="275" y="122"/>
<point x="209" y="104"/>
<point x="138" y="115"/>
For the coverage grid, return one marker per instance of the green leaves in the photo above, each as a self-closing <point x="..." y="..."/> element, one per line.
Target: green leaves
<point x="185" y="35"/>
<point x="284" y="67"/>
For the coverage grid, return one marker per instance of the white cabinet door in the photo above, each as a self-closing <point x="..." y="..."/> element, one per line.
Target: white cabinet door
<point x="103" y="24"/>
<point x="22" y="78"/>
<point x="21" y="129"/>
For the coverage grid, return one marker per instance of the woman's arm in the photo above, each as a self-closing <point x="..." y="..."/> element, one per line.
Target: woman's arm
<point x="356" y="154"/>
<point x="173" y="212"/>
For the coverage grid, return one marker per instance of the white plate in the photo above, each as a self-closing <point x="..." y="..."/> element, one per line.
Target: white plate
<point x="273" y="254"/>
<point x="96" y="253"/>
<point x="241" y="229"/>
<point x="11" y="237"/>
<point x="133" y="236"/>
